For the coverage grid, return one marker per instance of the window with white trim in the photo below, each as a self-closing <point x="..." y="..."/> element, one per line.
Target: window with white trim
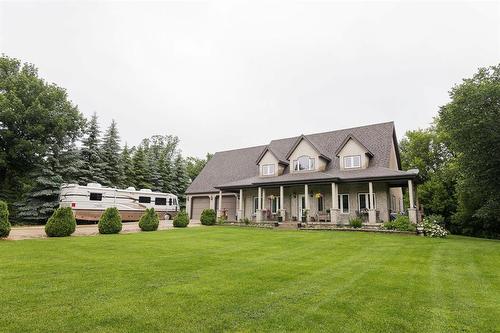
<point x="344" y="203"/>
<point x="275" y="205"/>
<point x="268" y="170"/>
<point x="303" y="163"/>
<point x="353" y="161"/>
<point x="364" y="201"/>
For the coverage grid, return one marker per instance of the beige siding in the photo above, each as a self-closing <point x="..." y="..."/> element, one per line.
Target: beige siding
<point x="304" y="148"/>
<point x="353" y="148"/>
<point x="269" y="158"/>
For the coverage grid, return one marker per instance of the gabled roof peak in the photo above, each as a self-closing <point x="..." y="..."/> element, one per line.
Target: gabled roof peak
<point x="349" y="137"/>
<point x="268" y="149"/>
<point x="298" y="141"/>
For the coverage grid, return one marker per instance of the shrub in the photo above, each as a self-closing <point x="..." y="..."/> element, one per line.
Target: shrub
<point x="110" y="222"/>
<point x="432" y="229"/>
<point x="208" y="217"/>
<point x="436" y="219"/>
<point x="402" y="223"/>
<point x="356" y="222"/>
<point x="181" y="220"/>
<point x="149" y="220"/>
<point x="245" y="220"/>
<point x="62" y="223"/>
<point x="4" y="220"/>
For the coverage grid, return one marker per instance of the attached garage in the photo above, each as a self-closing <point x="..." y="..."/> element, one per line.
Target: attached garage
<point x="228" y="204"/>
<point x="198" y="204"/>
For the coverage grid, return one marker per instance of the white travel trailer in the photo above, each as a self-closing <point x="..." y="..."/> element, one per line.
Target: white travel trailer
<point x="89" y="202"/>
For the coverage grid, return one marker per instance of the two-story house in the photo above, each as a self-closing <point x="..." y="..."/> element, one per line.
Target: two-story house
<point x="331" y="176"/>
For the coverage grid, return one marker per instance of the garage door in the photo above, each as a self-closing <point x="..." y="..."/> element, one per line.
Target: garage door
<point x="229" y="203"/>
<point x="198" y="205"/>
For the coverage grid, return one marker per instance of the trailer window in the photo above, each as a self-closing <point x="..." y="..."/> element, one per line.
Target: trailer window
<point x="170" y="201"/>
<point x="161" y="201"/>
<point x="145" y="199"/>
<point x="175" y="201"/>
<point x="96" y="196"/>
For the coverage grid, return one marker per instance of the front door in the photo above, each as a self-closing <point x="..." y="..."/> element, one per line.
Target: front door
<point x="302" y="205"/>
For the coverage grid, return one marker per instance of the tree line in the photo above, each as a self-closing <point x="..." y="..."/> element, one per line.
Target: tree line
<point x="45" y="141"/>
<point x="459" y="157"/>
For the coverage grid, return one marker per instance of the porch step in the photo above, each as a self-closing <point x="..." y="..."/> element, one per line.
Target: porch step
<point x="288" y="225"/>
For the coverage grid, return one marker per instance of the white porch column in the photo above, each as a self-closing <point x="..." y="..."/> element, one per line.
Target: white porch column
<point x="282" y="200"/>
<point x="410" y="193"/>
<point x="258" y="213"/>
<point x="335" y="211"/>
<point x="189" y="201"/>
<point x="212" y="203"/>
<point x="412" y="211"/>
<point x="220" y="205"/>
<point x="240" y="208"/>
<point x="306" y="199"/>
<point x="372" y="213"/>
<point x="263" y="204"/>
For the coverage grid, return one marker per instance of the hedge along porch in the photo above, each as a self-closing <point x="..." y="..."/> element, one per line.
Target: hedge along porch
<point x="373" y="201"/>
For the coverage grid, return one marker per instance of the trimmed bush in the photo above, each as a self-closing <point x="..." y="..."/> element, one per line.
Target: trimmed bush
<point x="181" y="220"/>
<point x="110" y="222"/>
<point x="4" y="220"/>
<point x="208" y="217"/>
<point x="62" y="223"/>
<point x="356" y="222"/>
<point x="149" y="220"/>
<point x="400" y="223"/>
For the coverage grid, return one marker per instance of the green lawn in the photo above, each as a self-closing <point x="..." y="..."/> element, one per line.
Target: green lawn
<point x="243" y="279"/>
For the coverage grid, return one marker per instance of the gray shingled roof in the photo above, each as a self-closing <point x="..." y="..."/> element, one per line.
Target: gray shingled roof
<point x="238" y="168"/>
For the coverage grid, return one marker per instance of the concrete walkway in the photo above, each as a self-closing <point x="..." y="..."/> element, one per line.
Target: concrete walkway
<point x="30" y="232"/>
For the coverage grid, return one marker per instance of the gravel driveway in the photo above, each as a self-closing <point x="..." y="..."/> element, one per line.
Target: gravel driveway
<point x="29" y="232"/>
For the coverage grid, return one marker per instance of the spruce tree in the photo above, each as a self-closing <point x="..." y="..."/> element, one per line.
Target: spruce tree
<point x="110" y="156"/>
<point x="92" y="165"/>
<point x="127" y="170"/>
<point x="141" y="174"/>
<point x="181" y="178"/>
<point x="43" y="197"/>
<point x="165" y="169"/>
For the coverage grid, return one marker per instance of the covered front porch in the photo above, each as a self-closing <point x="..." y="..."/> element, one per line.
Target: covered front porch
<point x="372" y="201"/>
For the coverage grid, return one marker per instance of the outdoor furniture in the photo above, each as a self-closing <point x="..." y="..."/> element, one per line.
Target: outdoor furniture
<point x="322" y="216"/>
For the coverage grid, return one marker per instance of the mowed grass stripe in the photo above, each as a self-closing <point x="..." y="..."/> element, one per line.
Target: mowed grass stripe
<point x="242" y="279"/>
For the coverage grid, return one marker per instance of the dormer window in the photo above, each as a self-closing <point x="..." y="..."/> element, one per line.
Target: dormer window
<point x="268" y="170"/>
<point x="353" y="161"/>
<point x="303" y="163"/>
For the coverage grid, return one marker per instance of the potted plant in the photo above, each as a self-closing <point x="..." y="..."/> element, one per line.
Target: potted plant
<point x="305" y="213"/>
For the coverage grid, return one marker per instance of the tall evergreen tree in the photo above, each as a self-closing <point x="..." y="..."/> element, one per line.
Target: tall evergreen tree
<point x="42" y="198"/>
<point x="141" y="174"/>
<point x="110" y="156"/>
<point x="127" y="170"/>
<point x="165" y="170"/>
<point x="180" y="178"/>
<point x="92" y="165"/>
